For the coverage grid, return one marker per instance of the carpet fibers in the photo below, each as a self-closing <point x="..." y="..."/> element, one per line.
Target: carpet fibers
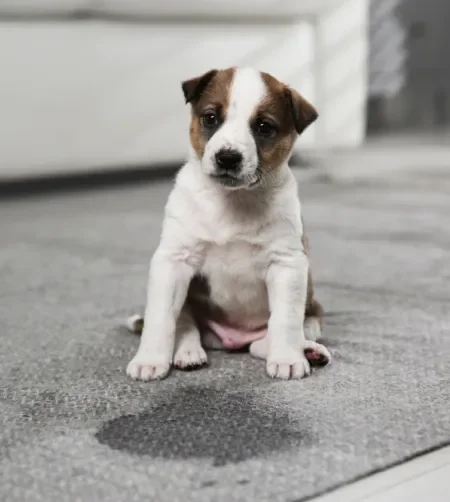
<point x="74" y="427"/>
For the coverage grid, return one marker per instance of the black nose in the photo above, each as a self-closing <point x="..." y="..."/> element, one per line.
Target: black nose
<point x="228" y="160"/>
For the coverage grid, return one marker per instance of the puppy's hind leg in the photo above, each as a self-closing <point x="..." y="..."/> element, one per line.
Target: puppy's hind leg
<point x="260" y="348"/>
<point x="189" y="352"/>
<point x="313" y="321"/>
<point x="316" y="353"/>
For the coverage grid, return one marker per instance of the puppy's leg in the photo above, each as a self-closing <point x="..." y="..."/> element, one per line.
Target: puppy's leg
<point x="313" y="313"/>
<point x="287" y="283"/>
<point x="312" y="327"/>
<point x="313" y="309"/>
<point x="316" y="353"/>
<point x="188" y="348"/>
<point x="260" y="348"/>
<point x="168" y="283"/>
<point x="189" y="352"/>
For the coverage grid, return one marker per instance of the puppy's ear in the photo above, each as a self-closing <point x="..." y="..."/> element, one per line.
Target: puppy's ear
<point x="193" y="88"/>
<point x="303" y="112"/>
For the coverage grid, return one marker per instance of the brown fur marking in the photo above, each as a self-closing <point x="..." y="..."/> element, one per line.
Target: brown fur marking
<point x="213" y="97"/>
<point x="274" y="108"/>
<point x="290" y="113"/>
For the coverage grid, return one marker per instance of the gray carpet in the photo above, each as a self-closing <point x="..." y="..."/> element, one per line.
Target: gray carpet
<point x="73" y="427"/>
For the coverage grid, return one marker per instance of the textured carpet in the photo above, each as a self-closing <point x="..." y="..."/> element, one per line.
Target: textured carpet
<point x="73" y="427"/>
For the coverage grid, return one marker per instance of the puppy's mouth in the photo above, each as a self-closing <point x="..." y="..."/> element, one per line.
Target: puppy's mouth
<point x="233" y="182"/>
<point x="228" y="180"/>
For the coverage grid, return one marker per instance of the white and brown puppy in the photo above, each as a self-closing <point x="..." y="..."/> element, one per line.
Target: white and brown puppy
<point x="232" y="266"/>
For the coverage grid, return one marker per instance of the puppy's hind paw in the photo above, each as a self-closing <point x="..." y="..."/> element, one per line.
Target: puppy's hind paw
<point x="189" y="358"/>
<point x="316" y="353"/>
<point x="135" y="324"/>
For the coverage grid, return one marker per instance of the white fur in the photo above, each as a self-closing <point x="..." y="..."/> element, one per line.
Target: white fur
<point x="312" y="329"/>
<point x="247" y="90"/>
<point x="188" y="347"/>
<point x="248" y="244"/>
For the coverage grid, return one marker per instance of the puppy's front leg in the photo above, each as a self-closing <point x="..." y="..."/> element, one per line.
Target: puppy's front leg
<point x="169" y="278"/>
<point x="287" y="280"/>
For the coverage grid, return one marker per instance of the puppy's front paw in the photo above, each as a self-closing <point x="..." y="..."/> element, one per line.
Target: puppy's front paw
<point x="147" y="367"/>
<point x="286" y="367"/>
<point x="189" y="357"/>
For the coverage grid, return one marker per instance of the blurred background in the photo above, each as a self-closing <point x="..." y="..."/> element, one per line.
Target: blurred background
<point x="91" y="85"/>
<point x="409" y="67"/>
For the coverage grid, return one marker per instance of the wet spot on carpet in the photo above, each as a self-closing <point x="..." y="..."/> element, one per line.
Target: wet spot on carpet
<point x="224" y="426"/>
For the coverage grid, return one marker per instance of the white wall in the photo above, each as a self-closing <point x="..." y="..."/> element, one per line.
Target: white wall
<point x="341" y="48"/>
<point x="82" y="95"/>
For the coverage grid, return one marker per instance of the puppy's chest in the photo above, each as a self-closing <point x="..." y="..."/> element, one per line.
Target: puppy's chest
<point x="235" y="274"/>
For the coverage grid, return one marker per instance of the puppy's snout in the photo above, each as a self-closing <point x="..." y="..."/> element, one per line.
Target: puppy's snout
<point x="229" y="160"/>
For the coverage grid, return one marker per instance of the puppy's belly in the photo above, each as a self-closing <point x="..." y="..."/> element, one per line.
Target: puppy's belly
<point x="232" y="308"/>
<point x="229" y="296"/>
<point x="236" y="337"/>
<point x="233" y="324"/>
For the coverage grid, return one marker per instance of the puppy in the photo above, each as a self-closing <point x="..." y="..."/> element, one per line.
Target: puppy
<point x="231" y="269"/>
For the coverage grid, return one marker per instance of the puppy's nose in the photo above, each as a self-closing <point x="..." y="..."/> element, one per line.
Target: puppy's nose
<point x="228" y="160"/>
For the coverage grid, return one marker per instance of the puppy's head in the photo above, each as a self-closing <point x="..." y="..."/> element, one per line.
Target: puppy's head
<point x="244" y="124"/>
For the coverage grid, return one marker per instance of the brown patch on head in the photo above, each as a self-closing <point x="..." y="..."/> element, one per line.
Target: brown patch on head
<point x="288" y="113"/>
<point x="209" y="98"/>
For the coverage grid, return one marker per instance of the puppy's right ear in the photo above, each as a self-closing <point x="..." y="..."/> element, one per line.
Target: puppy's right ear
<point x="193" y="88"/>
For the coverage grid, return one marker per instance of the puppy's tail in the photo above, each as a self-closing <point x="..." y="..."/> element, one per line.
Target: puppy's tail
<point x="135" y="324"/>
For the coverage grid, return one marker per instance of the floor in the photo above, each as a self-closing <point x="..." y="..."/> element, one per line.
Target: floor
<point x="74" y="427"/>
<point x="424" y="478"/>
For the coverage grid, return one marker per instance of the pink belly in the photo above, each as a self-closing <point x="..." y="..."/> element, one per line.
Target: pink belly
<point x="237" y="337"/>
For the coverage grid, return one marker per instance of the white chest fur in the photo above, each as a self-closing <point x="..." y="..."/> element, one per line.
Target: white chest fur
<point x="235" y="272"/>
<point x="233" y="239"/>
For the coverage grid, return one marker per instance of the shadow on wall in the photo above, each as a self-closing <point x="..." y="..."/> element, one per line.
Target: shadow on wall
<point x="409" y="68"/>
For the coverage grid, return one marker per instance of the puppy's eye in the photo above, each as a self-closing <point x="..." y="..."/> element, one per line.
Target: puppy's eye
<point x="210" y="119"/>
<point x="264" y="128"/>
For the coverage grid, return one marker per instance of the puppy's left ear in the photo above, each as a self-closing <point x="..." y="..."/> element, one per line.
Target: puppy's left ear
<point x="193" y="88"/>
<point x="303" y="112"/>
